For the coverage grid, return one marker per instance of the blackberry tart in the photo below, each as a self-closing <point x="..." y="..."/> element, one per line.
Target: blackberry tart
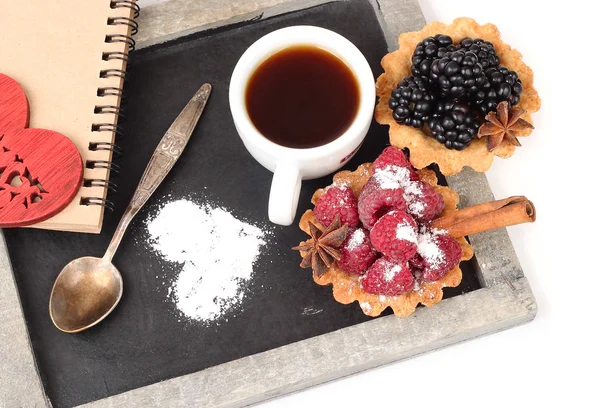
<point x="440" y="87"/>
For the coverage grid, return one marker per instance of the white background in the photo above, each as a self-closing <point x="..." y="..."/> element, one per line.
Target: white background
<point x="555" y="359"/>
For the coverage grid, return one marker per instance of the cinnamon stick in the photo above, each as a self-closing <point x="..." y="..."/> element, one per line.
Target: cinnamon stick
<point x="487" y="216"/>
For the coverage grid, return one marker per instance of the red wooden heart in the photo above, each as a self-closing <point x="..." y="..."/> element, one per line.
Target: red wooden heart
<point x="40" y="170"/>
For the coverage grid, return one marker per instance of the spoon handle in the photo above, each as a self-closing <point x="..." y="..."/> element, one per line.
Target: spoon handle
<point x="167" y="152"/>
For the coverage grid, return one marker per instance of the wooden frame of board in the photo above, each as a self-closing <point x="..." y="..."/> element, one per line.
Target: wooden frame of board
<point x="504" y="300"/>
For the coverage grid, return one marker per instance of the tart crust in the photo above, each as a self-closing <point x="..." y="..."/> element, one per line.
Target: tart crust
<point x="424" y="150"/>
<point x="347" y="288"/>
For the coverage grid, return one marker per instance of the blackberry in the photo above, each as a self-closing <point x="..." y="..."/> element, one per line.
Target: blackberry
<point x="411" y="102"/>
<point x="457" y="74"/>
<point x="484" y="50"/>
<point x="428" y="50"/>
<point x="454" y="124"/>
<point x="501" y="85"/>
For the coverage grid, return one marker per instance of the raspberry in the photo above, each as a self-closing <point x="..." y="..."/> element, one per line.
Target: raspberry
<point x="395" y="236"/>
<point x="337" y="200"/>
<point x="422" y="201"/>
<point x="387" y="278"/>
<point x="357" y="253"/>
<point x="375" y="201"/>
<point x="438" y="253"/>
<point x="392" y="156"/>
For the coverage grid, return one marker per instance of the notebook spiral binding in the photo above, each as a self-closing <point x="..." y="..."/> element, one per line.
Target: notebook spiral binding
<point x="113" y="168"/>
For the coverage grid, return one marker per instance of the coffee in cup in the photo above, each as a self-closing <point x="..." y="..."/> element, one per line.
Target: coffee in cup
<point x="302" y="100"/>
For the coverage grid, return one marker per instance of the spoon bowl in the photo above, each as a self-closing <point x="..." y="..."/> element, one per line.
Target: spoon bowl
<point x="85" y="292"/>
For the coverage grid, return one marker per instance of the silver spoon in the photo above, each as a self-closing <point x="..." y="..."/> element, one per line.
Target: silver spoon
<point x="89" y="288"/>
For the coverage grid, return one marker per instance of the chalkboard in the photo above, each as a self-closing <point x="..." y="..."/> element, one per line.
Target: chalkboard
<point x="144" y="341"/>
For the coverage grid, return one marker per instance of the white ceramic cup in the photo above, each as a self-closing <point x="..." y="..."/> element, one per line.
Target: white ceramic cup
<point x="289" y="165"/>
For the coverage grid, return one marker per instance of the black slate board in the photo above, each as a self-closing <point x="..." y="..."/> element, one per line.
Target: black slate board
<point x="143" y="342"/>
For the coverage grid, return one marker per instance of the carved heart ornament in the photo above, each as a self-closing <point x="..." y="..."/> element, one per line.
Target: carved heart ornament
<point x="40" y="170"/>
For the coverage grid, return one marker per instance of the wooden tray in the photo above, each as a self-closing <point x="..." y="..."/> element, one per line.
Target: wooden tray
<point x="311" y="356"/>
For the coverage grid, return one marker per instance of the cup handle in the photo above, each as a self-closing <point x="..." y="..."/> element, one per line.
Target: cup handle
<point x="284" y="195"/>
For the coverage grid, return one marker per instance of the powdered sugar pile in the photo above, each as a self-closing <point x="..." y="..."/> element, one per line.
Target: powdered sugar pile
<point x="393" y="177"/>
<point x="340" y="184"/>
<point x="217" y="251"/>
<point x="366" y="306"/>
<point x="429" y="249"/>
<point x="391" y="272"/>
<point x="406" y="232"/>
<point x="356" y="239"/>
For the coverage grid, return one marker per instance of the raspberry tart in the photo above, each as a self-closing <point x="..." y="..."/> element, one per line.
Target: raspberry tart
<point x="387" y="235"/>
<point x="444" y="90"/>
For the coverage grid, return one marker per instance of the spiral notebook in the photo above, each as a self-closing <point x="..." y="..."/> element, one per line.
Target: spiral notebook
<point x="70" y="58"/>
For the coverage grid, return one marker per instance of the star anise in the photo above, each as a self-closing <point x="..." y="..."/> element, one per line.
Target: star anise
<point x="502" y="125"/>
<point x="321" y="249"/>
